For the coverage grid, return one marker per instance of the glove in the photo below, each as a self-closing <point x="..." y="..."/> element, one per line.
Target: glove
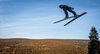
<point x="71" y="8"/>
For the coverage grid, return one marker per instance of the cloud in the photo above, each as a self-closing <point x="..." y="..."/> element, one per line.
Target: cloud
<point x="23" y="35"/>
<point x="28" y="21"/>
<point x="1" y="19"/>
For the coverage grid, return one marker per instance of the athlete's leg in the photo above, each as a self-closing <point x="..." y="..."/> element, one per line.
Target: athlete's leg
<point x="74" y="13"/>
<point x="66" y="13"/>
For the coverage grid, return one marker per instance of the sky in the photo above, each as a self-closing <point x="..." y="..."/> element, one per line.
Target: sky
<point x="34" y="19"/>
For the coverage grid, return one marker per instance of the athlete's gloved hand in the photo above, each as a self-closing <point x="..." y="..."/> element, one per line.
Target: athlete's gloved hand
<point x="71" y="8"/>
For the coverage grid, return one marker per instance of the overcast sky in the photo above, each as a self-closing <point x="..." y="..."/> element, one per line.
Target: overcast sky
<point x="34" y="19"/>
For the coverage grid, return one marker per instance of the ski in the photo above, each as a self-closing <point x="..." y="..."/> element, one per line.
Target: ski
<point x="75" y="18"/>
<point x="63" y="19"/>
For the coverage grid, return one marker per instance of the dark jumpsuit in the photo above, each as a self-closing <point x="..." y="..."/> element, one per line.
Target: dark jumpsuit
<point x="66" y="8"/>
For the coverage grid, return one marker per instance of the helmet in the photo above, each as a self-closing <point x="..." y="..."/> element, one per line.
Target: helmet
<point x="61" y="6"/>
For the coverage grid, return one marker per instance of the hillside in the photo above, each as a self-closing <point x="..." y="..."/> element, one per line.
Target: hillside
<point x="47" y="46"/>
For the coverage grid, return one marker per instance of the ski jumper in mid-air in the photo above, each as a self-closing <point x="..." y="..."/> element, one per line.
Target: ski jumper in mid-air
<point x="70" y="9"/>
<point x="66" y="9"/>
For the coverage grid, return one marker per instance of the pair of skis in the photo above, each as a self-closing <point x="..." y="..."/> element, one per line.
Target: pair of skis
<point x="74" y="18"/>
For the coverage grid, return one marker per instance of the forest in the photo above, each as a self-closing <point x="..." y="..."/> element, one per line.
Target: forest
<point x="43" y="46"/>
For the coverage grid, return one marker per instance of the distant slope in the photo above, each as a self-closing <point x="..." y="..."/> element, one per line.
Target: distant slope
<point x="47" y="46"/>
<point x="14" y="41"/>
<point x="79" y="42"/>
